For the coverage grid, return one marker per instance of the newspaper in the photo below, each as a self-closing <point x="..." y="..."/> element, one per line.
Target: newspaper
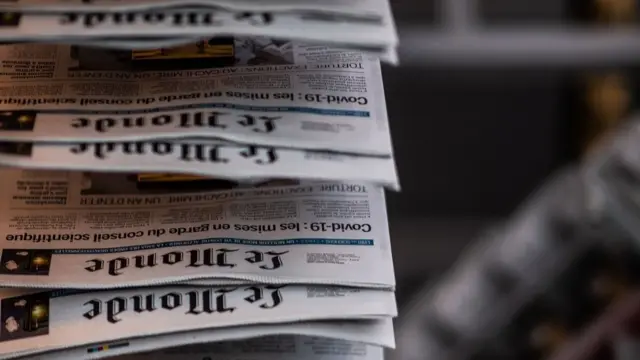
<point x="320" y="334"/>
<point x="372" y="10"/>
<point x="272" y="93"/>
<point x="353" y="31"/>
<point x="101" y="230"/>
<point x="201" y="157"/>
<point x="273" y="348"/>
<point x="34" y="322"/>
<point x="217" y="282"/>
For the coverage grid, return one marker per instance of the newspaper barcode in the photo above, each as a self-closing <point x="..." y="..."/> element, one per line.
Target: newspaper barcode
<point x="325" y="258"/>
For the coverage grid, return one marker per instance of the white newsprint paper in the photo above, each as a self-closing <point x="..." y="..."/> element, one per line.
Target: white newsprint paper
<point x="271" y="348"/>
<point x="248" y="90"/>
<point x="346" y="30"/>
<point x="35" y="321"/>
<point x="340" y="338"/>
<point x="372" y="10"/>
<point x="103" y="230"/>
<point x="202" y="157"/>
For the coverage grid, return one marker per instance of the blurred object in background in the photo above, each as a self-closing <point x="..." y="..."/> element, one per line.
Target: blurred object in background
<point x="557" y="281"/>
<point x="605" y="94"/>
<point x="560" y="323"/>
<point x="607" y="101"/>
<point x="614" y="12"/>
<point x="604" y="12"/>
<point x="513" y="61"/>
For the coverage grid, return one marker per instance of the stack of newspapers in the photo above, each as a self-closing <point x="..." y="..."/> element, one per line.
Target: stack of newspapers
<point x="195" y="179"/>
<point x="365" y="25"/>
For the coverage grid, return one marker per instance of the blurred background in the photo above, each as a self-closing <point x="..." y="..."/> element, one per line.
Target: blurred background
<point x="491" y="97"/>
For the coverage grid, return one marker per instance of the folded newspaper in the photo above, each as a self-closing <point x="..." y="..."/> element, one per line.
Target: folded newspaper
<point x="201" y="157"/>
<point x="271" y="348"/>
<point x="373" y="10"/>
<point x="378" y="36"/>
<point x="38" y="321"/>
<point x="95" y="230"/>
<point x="327" y="337"/>
<point x="251" y="90"/>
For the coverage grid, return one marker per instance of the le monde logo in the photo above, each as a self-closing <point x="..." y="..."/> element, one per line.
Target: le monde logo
<point x="267" y="260"/>
<point x="195" y="302"/>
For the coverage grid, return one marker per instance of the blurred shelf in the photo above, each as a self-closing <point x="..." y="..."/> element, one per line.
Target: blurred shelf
<point x="463" y="33"/>
<point x="518" y="46"/>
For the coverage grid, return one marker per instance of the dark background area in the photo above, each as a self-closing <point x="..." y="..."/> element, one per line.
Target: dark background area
<point x="470" y="142"/>
<point x="474" y="142"/>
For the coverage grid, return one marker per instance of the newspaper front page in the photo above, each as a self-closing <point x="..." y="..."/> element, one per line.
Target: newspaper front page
<point x="378" y="332"/>
<point x="101" y="230"/>
<point x="271" y="348"/>
<point x="250" y="90"/>
<point x="35" y="321"/>
<point x="201" y="157"/>
<point x="352" y="31"/>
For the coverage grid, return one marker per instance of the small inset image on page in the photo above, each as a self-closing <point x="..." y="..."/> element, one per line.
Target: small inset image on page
<point x="103" y="183"/>
<point x="203" y="54"/>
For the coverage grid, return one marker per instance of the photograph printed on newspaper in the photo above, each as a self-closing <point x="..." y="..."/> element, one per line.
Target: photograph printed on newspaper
<point x="33" y="321"/>
<point x="249" y="90"/>
<point x="101" y="230"/>
<point x="377" y="332"/>
<point x="385" y="55"/>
